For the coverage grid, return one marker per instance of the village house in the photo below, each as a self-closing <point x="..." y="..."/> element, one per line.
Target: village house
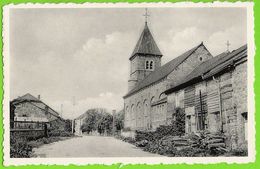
<point x="145" y="104"/>
<point x="78" y="122"/>
<point x="214" y="97"/>
<point x="28" y="108"/>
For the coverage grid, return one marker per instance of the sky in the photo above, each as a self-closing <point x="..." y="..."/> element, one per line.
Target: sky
<point x="63" y="53"/>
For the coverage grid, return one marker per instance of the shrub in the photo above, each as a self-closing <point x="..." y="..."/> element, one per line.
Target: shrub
<point x="19" y="147"/>
<point x="238" y="152"/>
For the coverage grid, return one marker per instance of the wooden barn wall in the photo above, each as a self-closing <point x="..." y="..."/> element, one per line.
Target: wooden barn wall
<point x="213" y="97"/>
<point x="189" y="96"/>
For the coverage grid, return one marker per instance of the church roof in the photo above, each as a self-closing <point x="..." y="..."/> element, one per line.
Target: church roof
<point x="162" y="71"/>
<point x="210" y="68"/>
<point x="146" y="44"/>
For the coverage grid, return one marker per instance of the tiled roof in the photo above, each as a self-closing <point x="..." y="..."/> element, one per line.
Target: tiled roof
<point x="210" y="67"/>
<point x="146" y="44"/>
<point x="26" y="97"/>
<point x="34" y="101"/>
<point x="162" y="71"/>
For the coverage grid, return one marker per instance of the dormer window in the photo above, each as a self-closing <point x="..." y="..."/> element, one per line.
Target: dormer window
<point x="149" y="65"/>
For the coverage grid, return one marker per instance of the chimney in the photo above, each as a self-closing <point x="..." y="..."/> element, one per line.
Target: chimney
<point x="39" y="97"/>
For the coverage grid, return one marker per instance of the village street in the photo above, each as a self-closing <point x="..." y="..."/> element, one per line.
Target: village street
<point x="91" y="146"/>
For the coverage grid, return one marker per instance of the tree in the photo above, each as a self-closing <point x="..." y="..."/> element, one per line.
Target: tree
<point x="119" y="120"/>
<point x="179" y="122"/>
<point x="97" y="119"/>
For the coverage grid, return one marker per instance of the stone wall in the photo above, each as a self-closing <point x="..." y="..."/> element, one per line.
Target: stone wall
<point x="27" y="111"/>
<point x="189" y="64"/>
<point x="240" y="101"/>
<point x="138" y="71"/>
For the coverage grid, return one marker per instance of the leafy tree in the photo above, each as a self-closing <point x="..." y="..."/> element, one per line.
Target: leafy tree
<point x="119" y="120"/>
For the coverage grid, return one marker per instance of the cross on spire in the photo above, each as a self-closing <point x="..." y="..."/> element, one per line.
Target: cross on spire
<point x="146" y="15"/>
<point x="228" y="44"/>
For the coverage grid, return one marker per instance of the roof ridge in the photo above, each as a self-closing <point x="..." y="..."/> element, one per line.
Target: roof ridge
<point x="204" y="68"/>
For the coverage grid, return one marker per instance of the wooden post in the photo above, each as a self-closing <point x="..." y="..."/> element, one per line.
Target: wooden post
<point x="201" y="122"/>
<point x="45" y="130"/>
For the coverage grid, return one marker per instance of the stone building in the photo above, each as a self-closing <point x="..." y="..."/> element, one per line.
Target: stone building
<point x="145" y="104"/>
<point x="28" y="108"/>
<point x="214" y="97"/>
<point x="78" y="122"/>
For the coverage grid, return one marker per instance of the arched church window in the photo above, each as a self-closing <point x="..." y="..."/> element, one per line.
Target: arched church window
<point x="127" y="113"/>
<point x="152" y="100"/>
<point x="147" y="64"/>
<point x="151" y="65"/>
<point x="132" y="112"/>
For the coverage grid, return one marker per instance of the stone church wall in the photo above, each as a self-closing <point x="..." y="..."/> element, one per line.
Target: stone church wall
<point x="139" y="113"/>
<point x="189" y="64"/>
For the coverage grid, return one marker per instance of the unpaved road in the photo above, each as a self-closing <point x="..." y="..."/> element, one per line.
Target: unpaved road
<point x="91" y="146"/>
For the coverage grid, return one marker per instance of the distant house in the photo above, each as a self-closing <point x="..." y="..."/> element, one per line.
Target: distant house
<point x="78" y="122"/>
<point x="28" y="108"/>
<point x="214" y="97"/>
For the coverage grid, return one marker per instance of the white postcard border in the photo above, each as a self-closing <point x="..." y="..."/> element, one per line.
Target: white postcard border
<point x="130" y="160"/>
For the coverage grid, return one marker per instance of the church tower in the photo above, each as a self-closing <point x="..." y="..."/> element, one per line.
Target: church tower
<point x="145" y="58"/>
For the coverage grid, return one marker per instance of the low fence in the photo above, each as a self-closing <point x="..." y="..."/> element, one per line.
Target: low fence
<point x="29" y="129"/>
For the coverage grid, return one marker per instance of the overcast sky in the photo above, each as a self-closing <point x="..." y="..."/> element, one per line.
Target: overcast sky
<point x="61" y="53"/>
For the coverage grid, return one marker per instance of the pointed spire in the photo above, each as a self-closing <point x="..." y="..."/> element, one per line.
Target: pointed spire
<point x="146" y="44"/>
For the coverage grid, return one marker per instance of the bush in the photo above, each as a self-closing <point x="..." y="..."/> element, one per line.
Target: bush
<point x="19" y="147"/>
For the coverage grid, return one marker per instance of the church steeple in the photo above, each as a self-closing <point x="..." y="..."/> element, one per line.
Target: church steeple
<point x="145" y="58"/>
<point x="146" y="44"/>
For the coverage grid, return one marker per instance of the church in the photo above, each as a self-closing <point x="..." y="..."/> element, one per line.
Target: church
<point x="145" y="104"/>
<point x="211" y="91"/>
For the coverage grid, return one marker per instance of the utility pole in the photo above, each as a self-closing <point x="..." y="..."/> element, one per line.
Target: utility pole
<point x="72" y="121"/>
<point x="61" y="110"/>
<point x="113" y="124"/>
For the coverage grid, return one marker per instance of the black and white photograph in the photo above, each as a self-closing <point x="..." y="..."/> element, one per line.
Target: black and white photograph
<point x="130" y="83"/>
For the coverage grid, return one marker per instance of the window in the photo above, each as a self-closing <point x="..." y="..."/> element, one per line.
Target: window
<point x="147" y="64"/>
<point x="151" y="65"/>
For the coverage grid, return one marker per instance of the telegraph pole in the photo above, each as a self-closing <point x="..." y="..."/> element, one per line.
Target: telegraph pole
<point x="61" y="110"/>
<point x="113" y="124"/>
<point x="72" y="121"/>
